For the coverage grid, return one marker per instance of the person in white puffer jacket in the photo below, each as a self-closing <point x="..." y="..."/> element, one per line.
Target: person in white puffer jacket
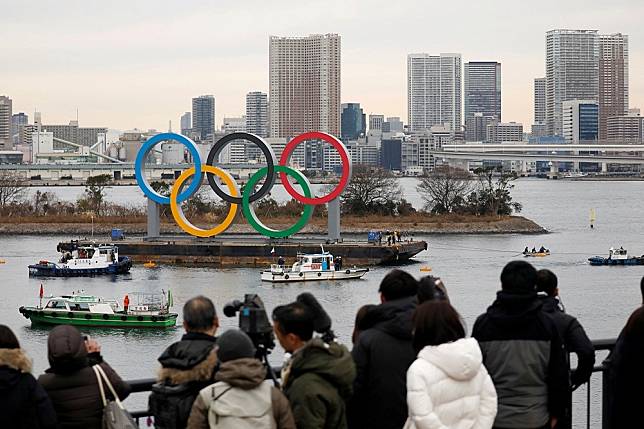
<point x="448" y="386"/>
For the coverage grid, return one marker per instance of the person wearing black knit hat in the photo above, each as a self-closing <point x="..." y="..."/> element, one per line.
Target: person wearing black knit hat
<point x="241" y="395"/>
<point x="517" y="337"/>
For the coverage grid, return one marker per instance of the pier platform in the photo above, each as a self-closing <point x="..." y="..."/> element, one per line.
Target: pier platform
<point x="256" y="252"/>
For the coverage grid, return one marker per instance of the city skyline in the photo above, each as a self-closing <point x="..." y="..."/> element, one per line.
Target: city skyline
<point x="121" y="76"/>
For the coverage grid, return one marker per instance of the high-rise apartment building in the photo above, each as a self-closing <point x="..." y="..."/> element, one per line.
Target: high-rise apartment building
<point x="235" y="151"/>
<point x="613" y="79"/>
<point x="482" y="82"/>
<point x="626" y="128"/>
<point x="203" y="116"/>
<point x="580" y="120"/>
<point x="186" y="123"/>
<point x="540" y="100"/>
<point x="375" y="122"/>
<point x="476" y="127"/>
<point x="500" y="132"/>
<point x="6" y="140"/>
<point x="86" y="136"/>
<point x="304" y="85"/>
<point x="572" y="72"/>
<point x="257" y="113"/>
<point x="434" y="91"/>
<point x="353" y="121"/>
<point x="18" y="120"/>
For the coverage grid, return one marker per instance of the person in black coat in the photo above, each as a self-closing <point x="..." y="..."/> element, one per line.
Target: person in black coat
<point x="523" y="353"/>
<point x="572" y="333"/>
<point x="383" y="352"/>
<point x="24" y="404"/>
<point x="187" y="366"/>
<point x="625" y="373"/>
<point x="71" y="382"/>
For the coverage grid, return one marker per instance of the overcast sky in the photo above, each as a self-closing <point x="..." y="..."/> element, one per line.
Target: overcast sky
<point x="138" y="63"/>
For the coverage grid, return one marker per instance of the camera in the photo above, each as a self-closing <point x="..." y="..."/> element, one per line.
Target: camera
<point x="254" y="321"/>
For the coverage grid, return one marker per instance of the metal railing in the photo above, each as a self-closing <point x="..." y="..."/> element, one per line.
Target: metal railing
<point x="145" y="385"/>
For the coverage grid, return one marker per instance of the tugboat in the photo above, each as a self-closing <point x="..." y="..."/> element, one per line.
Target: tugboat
<point x="149" y="311"/>
<point x="312" y="266"/>
<point x="87" y="260"/>
<point x="617" y="257"/>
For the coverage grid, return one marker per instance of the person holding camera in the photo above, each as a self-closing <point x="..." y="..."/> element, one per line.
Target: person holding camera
<point x="71" y="382"/>
<point x="241" y="396"/>
<point x="318" y="377"/>
<point x="187" y="366"/>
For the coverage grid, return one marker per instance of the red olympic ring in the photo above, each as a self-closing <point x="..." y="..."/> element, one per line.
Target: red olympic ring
<point x="346" y="166"/>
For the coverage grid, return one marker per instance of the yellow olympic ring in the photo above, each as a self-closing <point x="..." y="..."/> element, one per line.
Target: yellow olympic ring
<point x="180" y="218"/>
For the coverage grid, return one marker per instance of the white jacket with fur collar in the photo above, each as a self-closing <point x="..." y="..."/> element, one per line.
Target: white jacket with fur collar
<point x="448" y="387"/>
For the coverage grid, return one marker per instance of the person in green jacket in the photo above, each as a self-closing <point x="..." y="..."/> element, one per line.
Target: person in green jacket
<point x="318" y="378"/>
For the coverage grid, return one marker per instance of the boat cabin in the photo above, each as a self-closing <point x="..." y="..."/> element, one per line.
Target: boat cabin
<point x="142" y="303"/>
<point x="88" y="303"/>
<point x="620" y="253"/>
<point x="91" y="256"/>
<point x="314" y="262"/>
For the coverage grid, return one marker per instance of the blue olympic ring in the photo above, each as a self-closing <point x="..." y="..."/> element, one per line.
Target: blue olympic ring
<point x="139" y="167"/>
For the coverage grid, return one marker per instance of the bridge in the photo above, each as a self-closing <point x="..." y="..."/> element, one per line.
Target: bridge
<point x="604" y="154"/>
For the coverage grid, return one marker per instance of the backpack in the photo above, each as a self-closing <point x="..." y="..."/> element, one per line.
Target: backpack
<point x="170" y="404"/>
<point x="231" y="407"/>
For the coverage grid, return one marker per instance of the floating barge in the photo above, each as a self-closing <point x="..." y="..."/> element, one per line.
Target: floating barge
<point x="247" y="252"/>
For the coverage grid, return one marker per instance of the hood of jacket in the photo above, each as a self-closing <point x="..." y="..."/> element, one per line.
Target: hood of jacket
<point x="460" y="360"/>
<point x="12" y="363"/>
<point x="245" y="373"/>
<point x="66" y="350"/>
<point x="549" y="304"/>
<point x="392" y="317"/>
<point x="191" y="359"/>
<point x="512" y="308"/>
<point x="332" y="362"/>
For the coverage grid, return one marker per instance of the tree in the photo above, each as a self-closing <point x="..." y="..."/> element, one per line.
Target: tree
<point x="445" y="189"/>
<point x="493" y="194"/>
<point x="371" y="190"/>
<point x="94" y="195"/>
<point x="12" y="188"/>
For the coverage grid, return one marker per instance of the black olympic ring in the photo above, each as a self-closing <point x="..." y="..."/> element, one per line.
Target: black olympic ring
<point x="270" y="164"/>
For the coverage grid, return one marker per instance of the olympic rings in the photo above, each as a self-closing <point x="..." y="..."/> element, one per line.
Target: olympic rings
<point x="346" y="166"/>
<point x="139" y="167"/>
<point x="213" y="156"/>
<point x="177" y="212"/>
<point x="249" y="211"/>
<point x="233" y="196"/>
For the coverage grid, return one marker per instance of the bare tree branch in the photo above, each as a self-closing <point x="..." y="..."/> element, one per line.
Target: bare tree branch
<point x="445" y="189"/>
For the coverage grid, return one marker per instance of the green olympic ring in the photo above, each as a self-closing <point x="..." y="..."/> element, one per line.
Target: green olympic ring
<point x="249" y="212"/>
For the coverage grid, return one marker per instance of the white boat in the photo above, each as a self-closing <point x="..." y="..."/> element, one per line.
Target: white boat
<point x="311" y="266"/>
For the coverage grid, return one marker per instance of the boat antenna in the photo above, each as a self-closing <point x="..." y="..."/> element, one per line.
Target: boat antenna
<point x="322" y="246"/>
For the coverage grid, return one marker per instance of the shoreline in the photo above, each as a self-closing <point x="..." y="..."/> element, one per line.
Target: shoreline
<point x="350" y="225"/>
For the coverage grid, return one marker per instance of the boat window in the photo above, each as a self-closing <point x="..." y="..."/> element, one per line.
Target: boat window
<point x="80" y="307"/>
<point x="90" y="253"/>
<point x="103" y="251"/>
<point x="318" y="260"/>
<point x="56" y="304"/>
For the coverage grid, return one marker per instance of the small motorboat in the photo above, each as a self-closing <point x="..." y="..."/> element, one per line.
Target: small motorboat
<point x="617" y="257"/>
<point x="148" y="310"/>
<point x="150" y="264"/>
<point x="425" y="269"/>
<point x="312" y="266"/>
<point x="86" y="260"/>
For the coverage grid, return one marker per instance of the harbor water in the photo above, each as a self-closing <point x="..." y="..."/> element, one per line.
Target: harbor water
<point x="600" y="297"/>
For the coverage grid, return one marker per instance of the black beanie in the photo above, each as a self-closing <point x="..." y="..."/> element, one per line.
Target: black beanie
<point x="234" y="344"/>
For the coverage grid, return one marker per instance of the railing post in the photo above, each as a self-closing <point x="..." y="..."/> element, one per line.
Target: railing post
<point x="606" y="394"/>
